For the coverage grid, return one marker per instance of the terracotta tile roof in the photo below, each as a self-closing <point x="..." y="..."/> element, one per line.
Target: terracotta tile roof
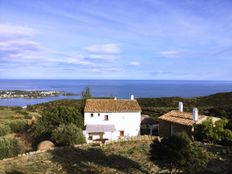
<point x="111" y="105"/>
<point x="184" y="118"/>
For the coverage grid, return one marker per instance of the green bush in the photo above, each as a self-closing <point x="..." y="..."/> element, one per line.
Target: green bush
<point x="217" y="132"/>
<point x="23" y="112"/>
<point x="178" y="154"/>
<point x="9" y="147"/>
<point x="4" y="129"/>
<point x="17" y="125"/>
<point x="204" y="132"/>
<point x="51" y="119"/>
<point x="68" y="134"/>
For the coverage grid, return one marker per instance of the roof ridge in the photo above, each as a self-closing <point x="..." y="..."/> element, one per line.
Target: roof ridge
<point x="111" y="105"/>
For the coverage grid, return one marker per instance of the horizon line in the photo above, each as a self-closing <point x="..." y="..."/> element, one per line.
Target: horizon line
<point x="121" y="79"/>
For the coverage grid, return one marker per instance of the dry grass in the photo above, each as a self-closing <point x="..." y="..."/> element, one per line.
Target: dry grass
<point x="121" y="157"/>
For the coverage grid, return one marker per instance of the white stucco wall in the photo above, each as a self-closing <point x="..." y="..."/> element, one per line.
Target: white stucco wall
<point x="129" y="122"/>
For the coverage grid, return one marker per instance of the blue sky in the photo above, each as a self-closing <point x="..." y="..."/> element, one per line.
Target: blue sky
<point x="116" y="39"/>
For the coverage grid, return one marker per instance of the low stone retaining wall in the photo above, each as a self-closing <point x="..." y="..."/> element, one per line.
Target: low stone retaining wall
<point x="138" y="138"/>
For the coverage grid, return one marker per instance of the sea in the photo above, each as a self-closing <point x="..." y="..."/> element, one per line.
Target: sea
<point x="114" y="88"/>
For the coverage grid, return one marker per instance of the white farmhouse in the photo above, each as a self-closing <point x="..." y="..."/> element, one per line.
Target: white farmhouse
<point x="111" y="119"/>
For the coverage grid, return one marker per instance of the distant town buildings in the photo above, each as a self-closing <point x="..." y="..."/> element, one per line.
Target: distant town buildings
<point x="28" y="94"/>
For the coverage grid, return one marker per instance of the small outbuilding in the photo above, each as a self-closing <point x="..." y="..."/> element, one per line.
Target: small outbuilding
<point x="179" y="121"/>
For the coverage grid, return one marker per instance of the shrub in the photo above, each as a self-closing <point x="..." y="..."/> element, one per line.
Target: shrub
<point x="9" y="147"/>
<point x="22" y="112"/>
<point x="17" y="125"/>
<point x="178" y="154"/>
<point x="204" y="132"/>
<point x="4" y="129"/>
<point x="68" y="134"/>
<point x="216" y="133"/>
<point x="53" y="118"/>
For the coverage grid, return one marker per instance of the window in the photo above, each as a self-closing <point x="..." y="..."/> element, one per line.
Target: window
<point x="106" y="117"/>
<point x="121" y="133"/>
<point x="91" y="114"/>
<point x="90" y="137"/>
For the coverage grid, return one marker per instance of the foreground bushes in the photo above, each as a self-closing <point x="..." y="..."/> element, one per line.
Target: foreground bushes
<point x="178" y="154"/>
<point x="4" y="129"/>
<point x="60" y="120"/>
<point x="68" y="134"/>
<point x="9" y="147"/>
<point x="217" y="132"/>
<point x="17" y="126"/>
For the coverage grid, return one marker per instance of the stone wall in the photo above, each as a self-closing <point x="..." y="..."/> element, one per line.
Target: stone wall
<point x="165" y="128"/>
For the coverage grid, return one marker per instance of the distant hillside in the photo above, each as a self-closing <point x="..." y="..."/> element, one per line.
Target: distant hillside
<point x="66" y="102"/>
<point x="219" y="105"/>
<point x="215" y="100"/>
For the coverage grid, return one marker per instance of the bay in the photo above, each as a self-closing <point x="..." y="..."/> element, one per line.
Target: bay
<point x="118" y="88"/>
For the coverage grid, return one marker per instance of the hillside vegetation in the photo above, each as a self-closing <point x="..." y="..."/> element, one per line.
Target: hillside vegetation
<point x="121" y="157"/>
<point x="219" y="105"/>
<point x="14" y="123"/>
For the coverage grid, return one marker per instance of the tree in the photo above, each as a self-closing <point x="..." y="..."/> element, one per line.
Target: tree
<point x="86" y="94"/>
<point x="53" y="118"/>
<point x="68" y="134"/>
<point x="178" y="154"/>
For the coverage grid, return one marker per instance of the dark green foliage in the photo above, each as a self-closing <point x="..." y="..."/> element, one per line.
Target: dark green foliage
<point x="4" y="129"/>
<point x="53" y="118"/>
<point x="216" y="100"/>
<point x="84" y="96"/>
<point x="229" y="125"/>
<point x="68" y="134"/>
<point x="9" y="148"/>
<point x="86" y="93"/>
<point x="54" y="104"/>
<point x="204" y="132"/>
<point x="218" y="105"/>
<point x="216" y="133"/>
<point x="178" y="153"/>
<point x="17" y="126"/>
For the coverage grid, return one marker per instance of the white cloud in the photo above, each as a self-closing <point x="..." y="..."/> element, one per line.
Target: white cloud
<point x="110" y="48"/>
<point x="9" y="29"/>
<point x="169" y="53"/>
<point x="19" y="47"/>
<point x="108" y="57"/>
<point x="135" y="63"/>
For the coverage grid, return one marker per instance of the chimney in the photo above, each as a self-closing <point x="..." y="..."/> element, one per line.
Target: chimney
<point x="132" y="97"/>
<point x="195" y="114"/>
<point x="180" y="107"/>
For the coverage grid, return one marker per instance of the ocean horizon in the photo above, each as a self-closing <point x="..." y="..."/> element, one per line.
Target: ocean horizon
<point x="112" y="88"/>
